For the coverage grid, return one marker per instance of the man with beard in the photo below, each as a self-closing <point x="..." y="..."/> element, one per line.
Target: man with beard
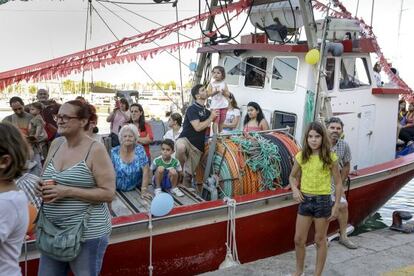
<point x="20" y="118"/>
<point x="50" y="108"/>
<point x="335" y="128"/>
<point x="190" y="144"/>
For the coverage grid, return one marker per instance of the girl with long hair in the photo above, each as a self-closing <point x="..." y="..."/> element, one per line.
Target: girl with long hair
<point x="232" y="116"/>
<point x="254" y="119"/>
<point x="145" y="131"/>
<point x="14" y="212"/>
<point x="314" y="167"/>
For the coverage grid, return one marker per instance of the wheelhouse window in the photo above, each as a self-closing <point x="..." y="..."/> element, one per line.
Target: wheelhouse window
<point x="283" y="119"/>
<point x="234" y="69"/>
<point x="255" y="72"/>
<point x="354" y="73"/>
<point x="284" y="73"/>
<point x="330" y="73"/>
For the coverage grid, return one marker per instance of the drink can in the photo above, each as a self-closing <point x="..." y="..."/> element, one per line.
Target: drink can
<point x="49" y="182"/>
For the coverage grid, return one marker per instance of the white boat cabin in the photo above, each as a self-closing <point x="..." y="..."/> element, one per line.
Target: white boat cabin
<point x="283" y="84"/>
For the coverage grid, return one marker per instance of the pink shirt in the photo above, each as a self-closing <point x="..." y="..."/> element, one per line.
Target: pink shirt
<point x="119" y="120"/>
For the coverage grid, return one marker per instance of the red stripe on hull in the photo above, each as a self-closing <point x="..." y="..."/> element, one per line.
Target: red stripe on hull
<point x="200" y="249"/>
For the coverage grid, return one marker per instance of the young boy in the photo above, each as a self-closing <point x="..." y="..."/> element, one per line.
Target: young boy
<point x="166" y="169"/>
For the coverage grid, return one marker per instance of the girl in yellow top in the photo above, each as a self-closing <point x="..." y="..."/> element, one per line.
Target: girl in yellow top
<point x="314" y="167"/>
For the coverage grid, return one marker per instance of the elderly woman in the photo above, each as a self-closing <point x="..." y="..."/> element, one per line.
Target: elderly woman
<point x="84" y="181"/>
<point x="130" y="161"/>
<point x="145" y="135"/>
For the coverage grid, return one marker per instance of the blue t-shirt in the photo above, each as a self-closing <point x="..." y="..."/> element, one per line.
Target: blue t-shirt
<point x="129" y="175"/>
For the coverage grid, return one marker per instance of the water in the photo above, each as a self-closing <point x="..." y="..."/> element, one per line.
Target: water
<point x="403" y="201"/>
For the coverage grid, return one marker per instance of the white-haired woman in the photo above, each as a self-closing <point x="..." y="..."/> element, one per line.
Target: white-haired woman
<point x="130" y="161"/>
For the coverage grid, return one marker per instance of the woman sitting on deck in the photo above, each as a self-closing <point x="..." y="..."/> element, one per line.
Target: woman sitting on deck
<point x="130" y="161"/>
<point x="83" y="181"/>
<point x="145" y="135"/>
<point x="254" y="119"/>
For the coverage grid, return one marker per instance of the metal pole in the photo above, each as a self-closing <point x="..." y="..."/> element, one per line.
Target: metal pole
<point x="175" y="4"/>
<point x="357" y="8"/>
<point x="203" y="57"/>
<point x="372" y="11"/>
<point x="309" y="23"/>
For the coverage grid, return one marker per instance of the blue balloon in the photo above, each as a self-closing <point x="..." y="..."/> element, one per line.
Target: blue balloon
<point x="192" y="66"/>
<point x="162" y="204"/>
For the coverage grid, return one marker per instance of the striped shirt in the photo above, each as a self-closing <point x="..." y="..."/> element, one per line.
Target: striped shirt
<point x="69" y="211"/>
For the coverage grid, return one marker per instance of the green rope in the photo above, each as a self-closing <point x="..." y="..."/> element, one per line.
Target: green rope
<point x="263" y="156"/>
<point x="309" y="106"/>
<point x="224" y="173"/>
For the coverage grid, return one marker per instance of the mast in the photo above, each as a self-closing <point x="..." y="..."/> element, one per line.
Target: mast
<point x="322" y="102"/>
<point x="204" y="56"/>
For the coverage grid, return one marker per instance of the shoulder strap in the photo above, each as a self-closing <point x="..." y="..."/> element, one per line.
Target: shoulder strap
<point x="89" y="150"/>
<point x="54" y="148"/>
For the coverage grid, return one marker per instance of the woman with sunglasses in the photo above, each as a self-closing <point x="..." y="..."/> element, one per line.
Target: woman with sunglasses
<point x="84" y="180"/>
<point x="14" y="213"/>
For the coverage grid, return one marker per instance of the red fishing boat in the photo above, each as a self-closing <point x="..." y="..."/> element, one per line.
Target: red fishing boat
<point x="294" y="82"/>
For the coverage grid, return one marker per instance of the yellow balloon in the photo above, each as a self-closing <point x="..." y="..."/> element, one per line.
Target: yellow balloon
<point x="312" y="57"/>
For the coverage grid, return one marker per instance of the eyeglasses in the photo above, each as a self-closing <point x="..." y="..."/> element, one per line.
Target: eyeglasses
<point x="64" y="118"/>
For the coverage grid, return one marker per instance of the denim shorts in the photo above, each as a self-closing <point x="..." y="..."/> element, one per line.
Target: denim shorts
<point x="317" y="206"/>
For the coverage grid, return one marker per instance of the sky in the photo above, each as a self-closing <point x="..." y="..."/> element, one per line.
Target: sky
<point x="39" y="30"/>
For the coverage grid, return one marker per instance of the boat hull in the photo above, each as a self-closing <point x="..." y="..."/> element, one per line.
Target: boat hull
<point x="192" y="239"/>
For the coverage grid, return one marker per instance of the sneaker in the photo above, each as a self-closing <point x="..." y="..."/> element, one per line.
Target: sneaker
<point x="157" y="191"/>
<point x="177" y="191"/>
<point x="348" y="243"/>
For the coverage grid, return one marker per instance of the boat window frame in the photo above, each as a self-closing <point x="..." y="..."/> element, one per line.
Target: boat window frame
<point x="245" y="72"/>
<point x="296" y="75"/>
<point x="292" y="129"/>
<point x="225" y="69"/>
<point x="367" y="71"/>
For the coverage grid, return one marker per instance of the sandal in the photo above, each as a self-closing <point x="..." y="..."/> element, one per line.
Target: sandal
<point x="348" y="243"/>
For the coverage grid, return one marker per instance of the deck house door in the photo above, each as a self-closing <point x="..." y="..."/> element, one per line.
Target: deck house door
<point x="366" y="136"/>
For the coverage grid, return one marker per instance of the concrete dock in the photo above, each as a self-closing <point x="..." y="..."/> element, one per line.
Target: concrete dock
<point x="382" y="252"/>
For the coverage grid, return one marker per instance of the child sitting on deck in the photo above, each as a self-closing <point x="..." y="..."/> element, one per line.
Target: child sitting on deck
<point x="166" y="169"/>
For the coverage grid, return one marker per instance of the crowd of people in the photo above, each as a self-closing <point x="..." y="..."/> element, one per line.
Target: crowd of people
<point x="79" y="177"/>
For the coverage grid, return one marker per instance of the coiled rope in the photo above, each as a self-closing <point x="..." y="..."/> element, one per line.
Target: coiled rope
<point x="246" y="165"/>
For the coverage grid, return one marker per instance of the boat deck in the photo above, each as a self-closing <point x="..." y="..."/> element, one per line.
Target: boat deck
<point x="131" y="202"/>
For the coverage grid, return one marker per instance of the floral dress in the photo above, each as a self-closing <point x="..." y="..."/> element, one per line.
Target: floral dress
<point x="129" y="175"/>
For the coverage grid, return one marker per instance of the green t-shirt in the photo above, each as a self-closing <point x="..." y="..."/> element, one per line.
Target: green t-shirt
<point x="315" y="179"/>
<point x="173" y="163"/>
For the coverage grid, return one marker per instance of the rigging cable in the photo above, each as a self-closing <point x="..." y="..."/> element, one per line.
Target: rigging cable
<point x="137" y="30"/>
<point x="179" y="54"/>
<point x="88" y="13"/>
<point x="134" y="3"/>
<point x="139" y="65"/>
